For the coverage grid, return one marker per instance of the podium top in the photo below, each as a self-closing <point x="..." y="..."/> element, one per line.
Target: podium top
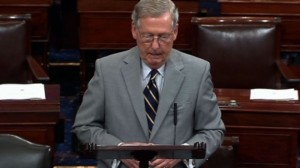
<point x="196" y="151"/>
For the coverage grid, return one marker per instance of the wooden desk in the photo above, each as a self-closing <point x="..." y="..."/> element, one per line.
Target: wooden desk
<point x="34" y="120"/>
<point x="268" y="130"/>
<point x="287" y="10"/>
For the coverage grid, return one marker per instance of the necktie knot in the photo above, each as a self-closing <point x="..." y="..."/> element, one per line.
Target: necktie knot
<point x="153" y="74"/>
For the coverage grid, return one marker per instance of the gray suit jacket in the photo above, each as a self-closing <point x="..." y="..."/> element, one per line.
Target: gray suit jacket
<point x="113" y="111"/>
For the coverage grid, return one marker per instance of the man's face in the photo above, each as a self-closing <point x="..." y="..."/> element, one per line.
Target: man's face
<point x="155" y="37"/>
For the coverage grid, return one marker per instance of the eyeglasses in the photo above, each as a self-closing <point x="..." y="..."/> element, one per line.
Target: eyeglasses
<point x="161" y="39"/>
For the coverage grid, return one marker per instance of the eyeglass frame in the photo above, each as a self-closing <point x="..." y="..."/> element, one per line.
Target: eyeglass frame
<point x="160" y="38"/>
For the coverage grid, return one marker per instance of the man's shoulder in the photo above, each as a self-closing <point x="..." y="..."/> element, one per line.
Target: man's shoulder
<point x="188" y="58"/>
<point x="117" y="56"/>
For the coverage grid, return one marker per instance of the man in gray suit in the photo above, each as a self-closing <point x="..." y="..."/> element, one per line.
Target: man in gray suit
<point x="113" y="107"/>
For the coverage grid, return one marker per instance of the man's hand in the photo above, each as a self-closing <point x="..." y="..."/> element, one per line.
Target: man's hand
<point x="132" y="163"/>
<point x="164" y="163"/>
<point x="155" y="163"/>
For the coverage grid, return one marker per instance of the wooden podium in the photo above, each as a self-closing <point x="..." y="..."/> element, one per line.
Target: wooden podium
<point x="146" y="153"/>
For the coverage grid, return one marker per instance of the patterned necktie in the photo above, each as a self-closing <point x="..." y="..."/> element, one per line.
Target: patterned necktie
<point x="151" y="99"/>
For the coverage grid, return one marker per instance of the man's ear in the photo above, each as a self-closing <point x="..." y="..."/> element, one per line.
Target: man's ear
<point x="133" y="30"/>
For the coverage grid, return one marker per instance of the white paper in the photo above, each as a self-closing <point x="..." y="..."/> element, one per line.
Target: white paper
<point x="22" y="91"/>
<point x="274" y="94"/>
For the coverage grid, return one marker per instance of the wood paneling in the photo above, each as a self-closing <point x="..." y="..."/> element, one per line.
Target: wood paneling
<point x="38" y="10"/>
<point x="287" y="10"/>
<point x="106" y="24"/>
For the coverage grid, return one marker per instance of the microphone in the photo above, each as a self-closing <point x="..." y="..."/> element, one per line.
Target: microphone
<point x="175" y="121"/>
<point x="175" y="114"/>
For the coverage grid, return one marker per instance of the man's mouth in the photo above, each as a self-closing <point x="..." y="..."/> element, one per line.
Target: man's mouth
<point x="155" y="54"/>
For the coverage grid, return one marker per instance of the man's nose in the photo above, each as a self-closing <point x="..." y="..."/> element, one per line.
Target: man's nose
<point x="155" y="43"/>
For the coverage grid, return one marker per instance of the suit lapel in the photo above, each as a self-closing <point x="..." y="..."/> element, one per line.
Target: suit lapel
<point x="172" y="84"/>
<point x="131" y="71"/>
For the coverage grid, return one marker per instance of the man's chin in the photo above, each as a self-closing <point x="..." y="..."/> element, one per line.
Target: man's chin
<point x="155" y="64"/>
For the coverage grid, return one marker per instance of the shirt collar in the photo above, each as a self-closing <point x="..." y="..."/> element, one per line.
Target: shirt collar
<point x="146" y="70"/>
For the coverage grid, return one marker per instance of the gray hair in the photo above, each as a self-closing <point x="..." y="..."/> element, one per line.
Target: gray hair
<point x="154" y="8"/>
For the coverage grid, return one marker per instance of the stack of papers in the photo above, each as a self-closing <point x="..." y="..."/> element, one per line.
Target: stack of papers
<point x="274" y="94"/>
<point x="22" y="91"/>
